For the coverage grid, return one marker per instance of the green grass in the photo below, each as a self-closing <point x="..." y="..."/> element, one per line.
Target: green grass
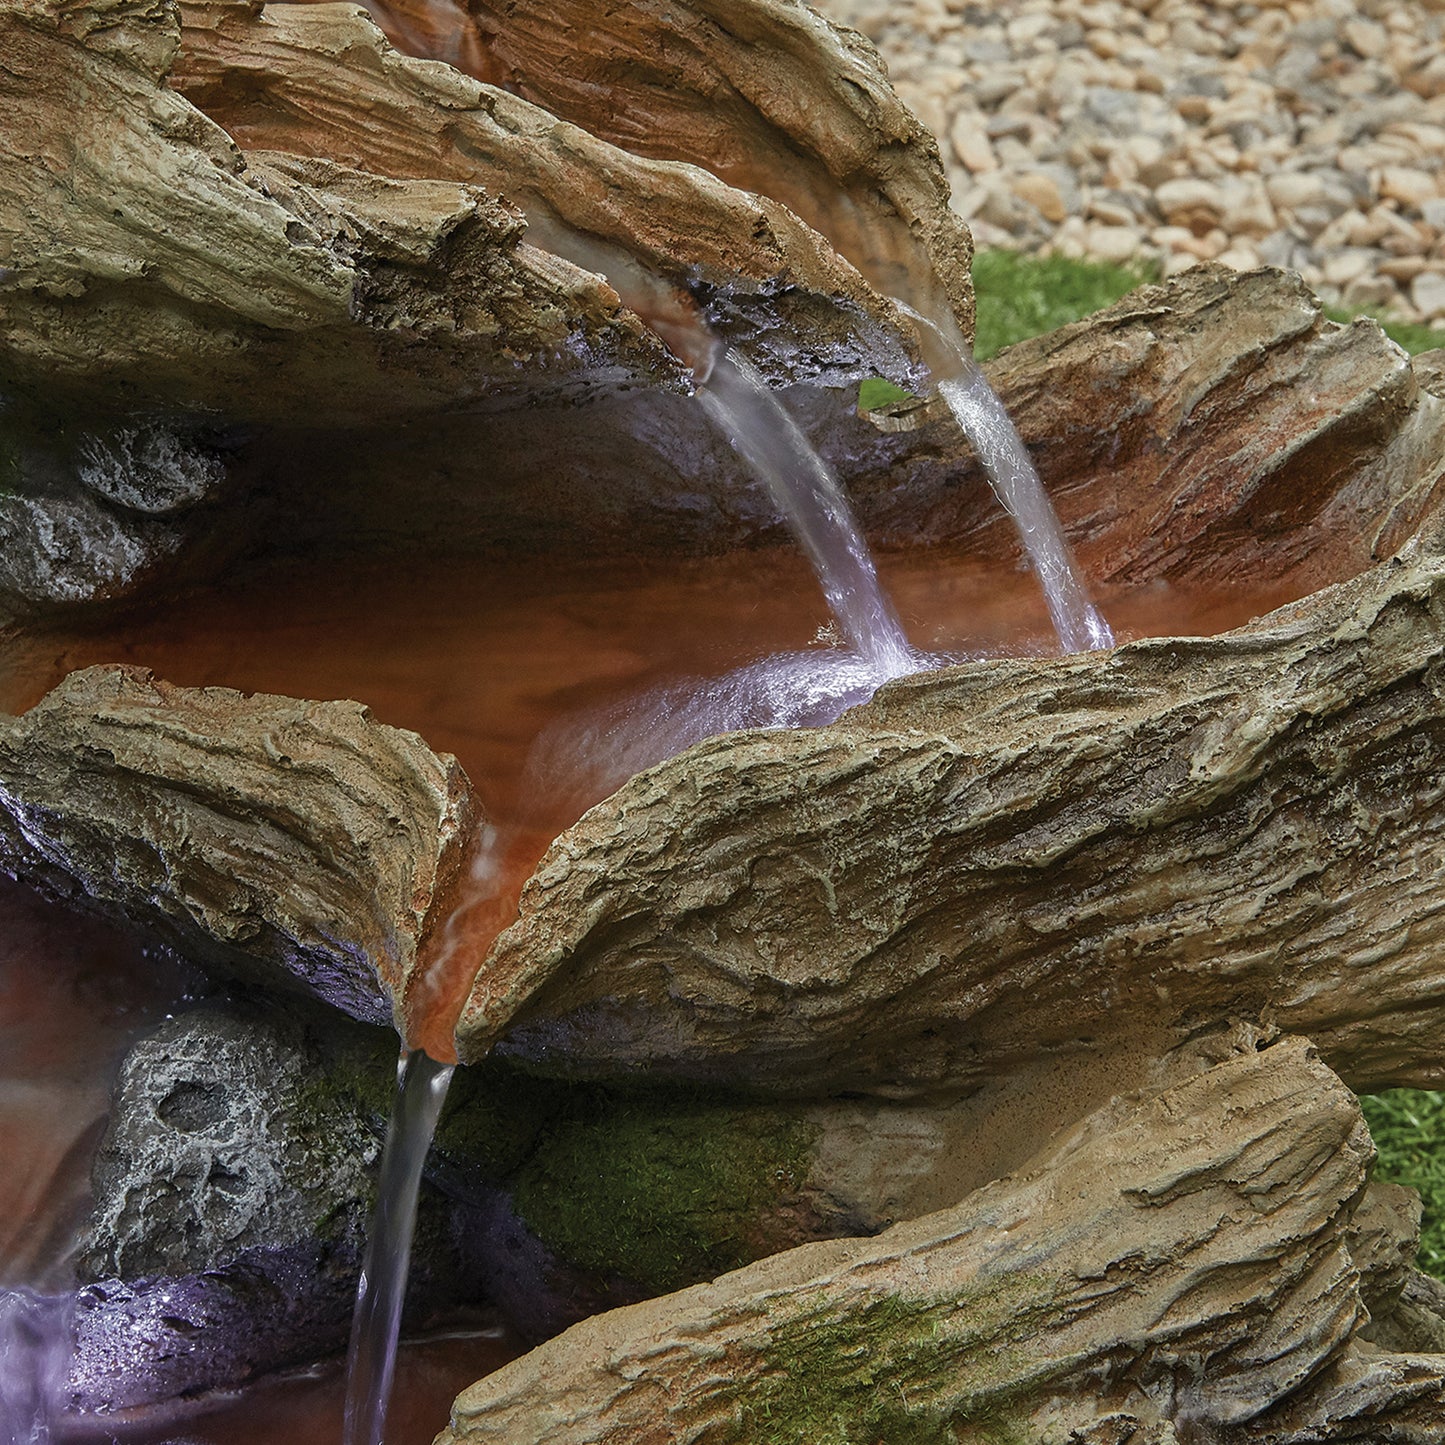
<point x="1410" y="336"/>
<point x="1021" y="296"/>
<point x="1408" y="1126"/>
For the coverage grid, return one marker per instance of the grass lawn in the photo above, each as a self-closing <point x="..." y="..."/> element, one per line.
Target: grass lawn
<point x="1021" y="296"/>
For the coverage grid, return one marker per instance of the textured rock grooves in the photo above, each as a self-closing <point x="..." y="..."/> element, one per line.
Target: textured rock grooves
<point x="1016" y="858"/>
<point x="1181" y="1257"/>
<point x="294" y="843"/>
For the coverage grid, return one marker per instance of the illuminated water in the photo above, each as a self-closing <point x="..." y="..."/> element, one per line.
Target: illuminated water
<point x="809" y="496"/>
<point x="381" y="1292"/>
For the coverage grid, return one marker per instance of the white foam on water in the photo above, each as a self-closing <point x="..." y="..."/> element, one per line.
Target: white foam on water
<point x="36" y="1343"/>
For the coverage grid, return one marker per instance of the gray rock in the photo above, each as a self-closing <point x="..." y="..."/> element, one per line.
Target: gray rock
<point x="226" y="1135"/>
<point x="233" y="1191"/>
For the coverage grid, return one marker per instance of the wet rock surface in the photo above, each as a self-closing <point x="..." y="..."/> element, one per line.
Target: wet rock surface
<point x="352" y="257"/>
<point x="1002" y="862"/>
<point x="232" y="1193"/>
<point x="1212" y="428"/>
<point x="298" y="844"/>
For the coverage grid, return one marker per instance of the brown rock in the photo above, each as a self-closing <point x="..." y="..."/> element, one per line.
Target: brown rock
<point x="1016" y="860"/>
<point x="1196" y="1275"/>
<point x="298" y="843"/>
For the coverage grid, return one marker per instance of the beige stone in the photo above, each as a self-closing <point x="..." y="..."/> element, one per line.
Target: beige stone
<point x="295" y="844"/>
<point x="1132" y="1238"/>
<point x="1042" y="193"/>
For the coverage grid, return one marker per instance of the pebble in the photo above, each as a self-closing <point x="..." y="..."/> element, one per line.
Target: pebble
<point x="1307" y="133"/>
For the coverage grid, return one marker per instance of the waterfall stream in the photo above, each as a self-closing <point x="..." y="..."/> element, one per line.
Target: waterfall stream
<point x="810" y="498"/>
<point x="35" y="1343"/>
<point x="371" y="1361"/>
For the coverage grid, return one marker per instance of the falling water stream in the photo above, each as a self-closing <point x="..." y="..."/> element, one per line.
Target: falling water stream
<point x="371" y="1361"/>
<point x="809" y="496"/>
<point x="769" y="441"/>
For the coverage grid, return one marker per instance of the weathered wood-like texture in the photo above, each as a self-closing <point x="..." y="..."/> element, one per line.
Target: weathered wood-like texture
<point x="766" y="94"/>
<point x="299" y="843"/>
<point x="1017" y="858"/>
<point x="144" y="257"/>
<point x="320" y="80"/>
<point x="1179" y="1258"/>
<point x="1213" y="430"/>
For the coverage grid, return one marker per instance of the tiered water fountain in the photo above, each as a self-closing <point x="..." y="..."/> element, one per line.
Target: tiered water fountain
<point x="895" y="1017"/>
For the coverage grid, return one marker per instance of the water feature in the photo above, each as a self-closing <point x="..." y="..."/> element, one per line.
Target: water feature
<point x="381" y="1291"/>
<point x="985" y="421"/>
<point x="808" y="495"/>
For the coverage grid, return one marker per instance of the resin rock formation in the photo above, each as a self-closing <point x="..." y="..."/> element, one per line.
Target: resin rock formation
<point x="1213" y="428"/>
<point x="1179" y="1266"/>
<point x="376" y="243"/>
<point x="1015" y="861"/>
<point x="625" y="1196"/>
<point x="238" y="1166"/>
<point x="300" y="844"/>
<point x="232" y="1193"/>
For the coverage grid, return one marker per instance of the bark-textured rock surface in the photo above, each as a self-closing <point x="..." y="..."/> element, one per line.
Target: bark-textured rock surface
<point x="1180" y="1260"/>
<point x="147" y="260"/>
<point x="380" y="241"/>
<point x="1213" y="429"/>
<point x="301" y="844"/>
<point x="321" y="80"/>
<point x="1015" y="860"/>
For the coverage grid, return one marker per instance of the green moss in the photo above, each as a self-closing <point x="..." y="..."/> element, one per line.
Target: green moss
<point x="896" y="1373"/>
<point x="1019" y="296"/>
<point x="875" y="392"/>
<point x="661" y="1191"/>
<point x="1408" y="1127"/>
<point x="494" y="1116"/>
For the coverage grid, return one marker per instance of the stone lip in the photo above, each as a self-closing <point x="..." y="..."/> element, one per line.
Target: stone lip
<point x="1135" y="1270"/>
<point x="383" y="268"/>
<point x="299" y="844"/>
<point x="1014" y="859"/>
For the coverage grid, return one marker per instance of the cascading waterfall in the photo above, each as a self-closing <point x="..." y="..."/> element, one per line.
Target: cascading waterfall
<point x="808" y="495"/>
<point x="371" y="1361"/>
<point x="985" y="421"/>
<point x="811" y="500"/>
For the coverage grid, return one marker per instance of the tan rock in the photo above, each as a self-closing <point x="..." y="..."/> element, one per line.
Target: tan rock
<point x="971" y="144"/>
<point x="1195" y="204"/>
<point x="1130" y="1240"/>
<point x="1042" y="193"/>
<point x="1408" y="185"/>
<point x="300" y="844"/>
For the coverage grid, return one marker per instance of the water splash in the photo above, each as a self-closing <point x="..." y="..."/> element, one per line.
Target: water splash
<point x="36" y="1342"/>
<point x="579" y="760"/>
<point x="808" y="494"/>
<point x="371" y="1361"/>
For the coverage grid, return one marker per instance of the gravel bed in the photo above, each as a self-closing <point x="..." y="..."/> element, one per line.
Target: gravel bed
<point x="1309" y="135"/>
